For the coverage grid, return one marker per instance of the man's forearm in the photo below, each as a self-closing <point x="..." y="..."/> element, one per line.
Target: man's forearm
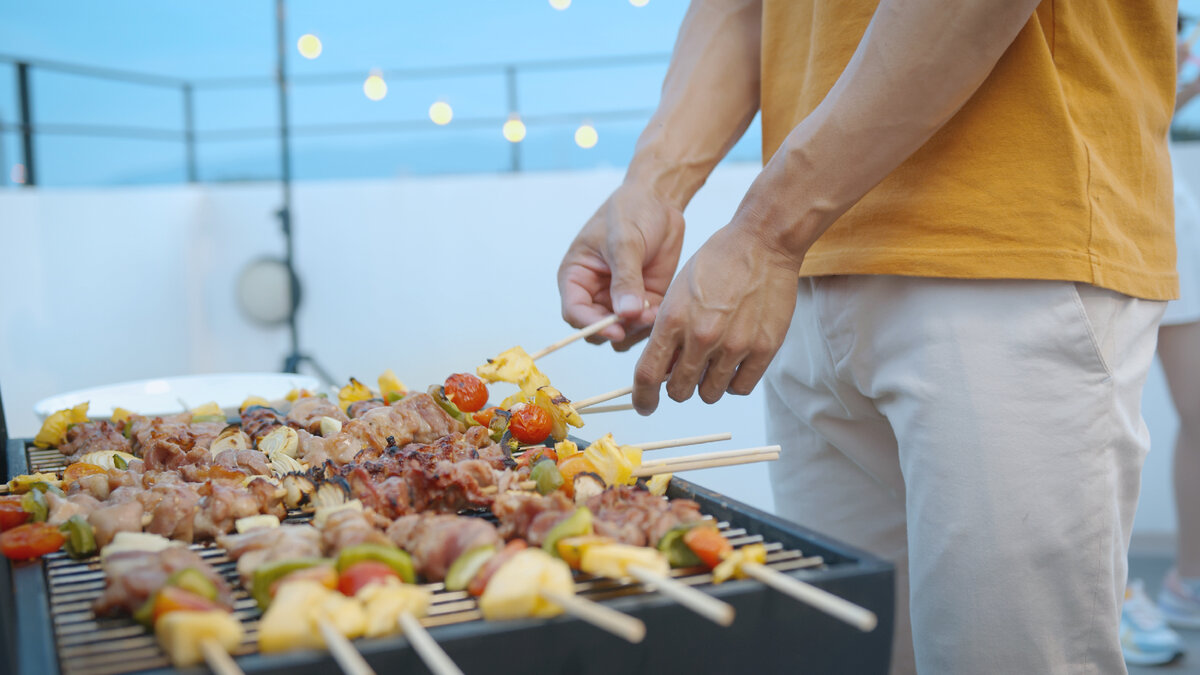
<point x="918" y="63"/>
<point x="709" y="97"/>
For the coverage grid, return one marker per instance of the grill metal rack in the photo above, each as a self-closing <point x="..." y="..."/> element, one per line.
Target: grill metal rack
<point x="49" y="625"/>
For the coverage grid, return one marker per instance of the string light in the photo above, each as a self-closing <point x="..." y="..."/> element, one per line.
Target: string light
<point x="374" y="86"/>
<point x="309" y="46"/>
<point x="560" y="4"/>
<point x="586" y="136"/>
<point x="441" y="113"/>
<point x="514" y="129"/>
<point x="639" y="3"/>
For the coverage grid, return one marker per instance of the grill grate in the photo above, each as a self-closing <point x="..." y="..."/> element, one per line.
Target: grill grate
<point x="91" y="645"/>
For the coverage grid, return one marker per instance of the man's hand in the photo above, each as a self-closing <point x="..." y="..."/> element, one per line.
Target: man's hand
<point x="623" y="258"/>
<point x="721" y="322"/>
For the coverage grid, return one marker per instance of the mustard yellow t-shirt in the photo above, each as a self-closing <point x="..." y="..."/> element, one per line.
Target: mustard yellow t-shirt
<point x="1056" y="168"/>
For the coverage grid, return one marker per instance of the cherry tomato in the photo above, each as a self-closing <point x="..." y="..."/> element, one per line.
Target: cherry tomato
<point x="12" y="513"/>
<point x="79" y="470"/>
<point x="354" y="577"/>
<point x="32" y="540"/>
<point x="708" y="544"/>
<point x="174" y="599"/>
<point x="484" y="417"/>
<point x="466" y="391"/>
<point x="530" y="424"/>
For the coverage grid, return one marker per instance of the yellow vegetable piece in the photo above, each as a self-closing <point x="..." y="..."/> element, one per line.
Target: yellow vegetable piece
<point x="657" y="484"/>
<point x="516" y="366"/>
<point x="384" y="602"/>
<point x="54" y="429"/>
<point x="565" y="449"/>
<point x="25" y="482"/>
<point x="561" y="412"/>
<point x="120" y="414"/>
<point x="732" y="565"/>
<point x="292" y="620"/>
<point x="255" y="400"/>
<point x="210" y="409"/>
<point x="571" y="549"/>
<point x="355" y="391"/>
<point x="514" y="591"/>
<point x="614" y="560"/>
<point x="181" y="633"/>
<point x="390" y="384"/>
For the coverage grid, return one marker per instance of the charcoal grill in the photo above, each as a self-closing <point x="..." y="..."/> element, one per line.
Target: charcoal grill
<point x="49" y="626"/>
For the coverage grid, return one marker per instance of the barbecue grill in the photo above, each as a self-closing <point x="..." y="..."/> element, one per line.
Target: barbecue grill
<point x="49" y="626"/>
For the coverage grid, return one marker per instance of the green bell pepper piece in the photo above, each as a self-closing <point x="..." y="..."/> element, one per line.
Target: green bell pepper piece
<point x="267" y="575"/>
<point x="575" y="525"/>
<point x="193" y="581"/>
<point x="34" y="502"/>
<point x="392" y="556"/>
<point x="466" y="566"/>
<point x="545" y="473"/>
<point x="677" y="552"/>
<point x="81" y="538"/>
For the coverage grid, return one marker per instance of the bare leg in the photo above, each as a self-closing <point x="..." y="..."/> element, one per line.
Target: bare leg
<point x="1179" y="349"/>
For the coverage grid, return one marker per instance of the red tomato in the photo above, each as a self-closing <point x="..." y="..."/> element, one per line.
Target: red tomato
<point x="362" y="573"/>
<point x="484" y="417"/>
<point x="29" y="541"/>
<point x="466" y="391"/>
<point x="530" y="424"/>
<point x="11" y="512"/>
<point x="708" y="544"/>
<point x="173" y="599"/>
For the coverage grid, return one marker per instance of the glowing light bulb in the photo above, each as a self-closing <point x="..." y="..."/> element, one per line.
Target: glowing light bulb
<point x="441" y="113"/>
<point x="586" y="136"/>
<point x="514" y="130"/>
<point x="639" y="3"/>
<point x="560" y="4"/>
<point x="309" y="46"/>
<point x="374" y="87"/>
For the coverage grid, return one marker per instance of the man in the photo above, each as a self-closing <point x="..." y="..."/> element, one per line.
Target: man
<point x="959" y="246"/>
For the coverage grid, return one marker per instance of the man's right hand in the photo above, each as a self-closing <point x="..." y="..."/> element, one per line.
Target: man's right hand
<point x="622" y="259"/>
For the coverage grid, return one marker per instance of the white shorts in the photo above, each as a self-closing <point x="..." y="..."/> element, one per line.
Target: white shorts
<point x="985" y="436"/>
<point x="1187" y="256"/>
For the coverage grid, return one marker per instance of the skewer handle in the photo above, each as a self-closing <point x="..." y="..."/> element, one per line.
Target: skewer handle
<point x="435" y="658"/>
<point x="347" y="657"/>
<point x="219" y="661"/>
<point x="839" y="608"/>
<point x="720" y="454"/>
<point x="615" y="393"/>
<point x="578" y="335"/>
<point x="679" y="442"/>
<point x="717" y="611"/>
<point x="631" y="629"/>
<point x="616" y="407"/>
<point x="673" y="467"/>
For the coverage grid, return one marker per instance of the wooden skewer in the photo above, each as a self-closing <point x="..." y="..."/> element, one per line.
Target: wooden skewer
<point x="631" y="629"/>
<point x="722" y="454"/>
<point x="219" y="661"/>
<point x="839" y="608"/>
<point x="679" y="442"/>
<point x="748" y="456"/>
<point x="616" y="407"/>
<point x="577" y="335"/>
<point x="615" y="393"/>
<point x="347" y="657"/>
<point x="717" y="611"/>
<point x="435" y="658"/>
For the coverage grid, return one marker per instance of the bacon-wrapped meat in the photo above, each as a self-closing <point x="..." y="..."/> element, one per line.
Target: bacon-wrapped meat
<point x="259" y="547"/>
<point x="631" y="515"/>
<point x="306" y="413"/>
<point x="94" y="437"/>
<point x="415" y="418"/>
<point x="436" y="541"/>
<point x="132" y="576"/>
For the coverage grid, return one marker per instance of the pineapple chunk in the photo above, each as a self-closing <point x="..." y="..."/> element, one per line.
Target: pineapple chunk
<point x="514" y="591"/>
<point x="561" y="412"/>
<point x="120" y="414"/>
<point x="613" y="464"/>
<point x="657" y="485"/>
<point x="292" y="620"/>
<point x="516" y="366"/>
<point x="565" y="449"/>
<point x="54" y="429"/>
<point x="355" y="391"/>
<point x="181" y="633"/>
<point x="254" y="400"/>
<point x="125" y="542"/>
<point x="614" y="560"/>
<point x="732" y="565"/>
<point x="383" y="604"/>
<point x="390" y="386"/>
<point x="210" y="409"/>
<point x="25" y="482"/>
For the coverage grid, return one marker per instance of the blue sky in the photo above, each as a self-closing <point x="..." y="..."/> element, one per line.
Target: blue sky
<point x="235" y="38"/>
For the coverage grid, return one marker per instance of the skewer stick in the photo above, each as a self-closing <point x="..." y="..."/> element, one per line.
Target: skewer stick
<point x="219" y="661"/>
<point x="722" y="454"/>
<point x="436" y="659"/>
<point x="717" y="611"/>
<point x="616" y="407"/>
<point x="623" y="626"/>
<point x="577" y="335"/>
<point x="347" y="657"/>
<point x="748" y="456"/>
<point x="839" y="608"/>
<point x="679" y="442"/>
<point x="615" y="393"/>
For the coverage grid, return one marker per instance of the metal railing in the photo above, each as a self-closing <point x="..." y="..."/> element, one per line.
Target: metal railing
<point x="28" y="129"/>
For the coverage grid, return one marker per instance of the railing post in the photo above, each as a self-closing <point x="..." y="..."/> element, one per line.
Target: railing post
<point x="510" y="78"/>
<point x="23" y="100"/>
<point x="189" y="133"/>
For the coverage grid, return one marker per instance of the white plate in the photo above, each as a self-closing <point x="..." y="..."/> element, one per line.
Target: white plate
<point x="170" y="394"/>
